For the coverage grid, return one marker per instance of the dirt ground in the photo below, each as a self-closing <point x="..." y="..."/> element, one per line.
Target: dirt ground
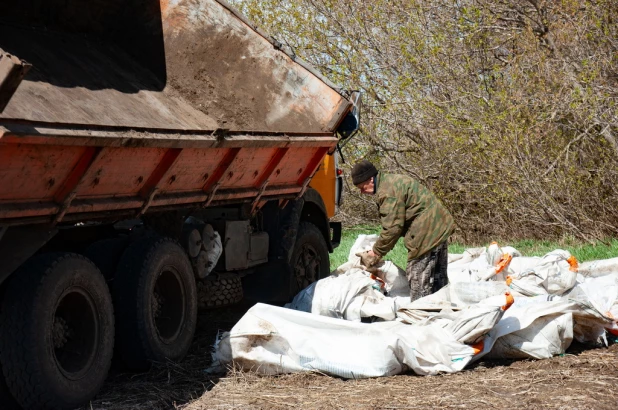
<point x="581" y="379"/>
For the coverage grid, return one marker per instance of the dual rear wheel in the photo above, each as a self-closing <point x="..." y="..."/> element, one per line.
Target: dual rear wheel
<point x="155" y="290"/>
<point x="57" y="322"/>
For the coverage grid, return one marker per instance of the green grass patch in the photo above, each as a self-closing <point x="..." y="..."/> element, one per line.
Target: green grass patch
<point x="583" y="251"/>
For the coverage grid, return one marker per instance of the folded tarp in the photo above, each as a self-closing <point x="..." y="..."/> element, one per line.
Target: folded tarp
<point x="498" y="304"/>
<point x="273" y="340"/>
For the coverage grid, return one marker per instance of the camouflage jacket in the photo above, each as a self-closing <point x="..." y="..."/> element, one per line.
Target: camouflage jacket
<point x="409" y="209"/>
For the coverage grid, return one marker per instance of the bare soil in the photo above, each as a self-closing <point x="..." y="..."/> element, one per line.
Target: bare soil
<point x="583" y="378"/>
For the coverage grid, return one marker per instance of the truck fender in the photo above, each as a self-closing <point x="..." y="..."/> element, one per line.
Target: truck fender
<point x="314" y="211"/>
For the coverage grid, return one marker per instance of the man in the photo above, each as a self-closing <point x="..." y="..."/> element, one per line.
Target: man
<point x="409" y="210"/>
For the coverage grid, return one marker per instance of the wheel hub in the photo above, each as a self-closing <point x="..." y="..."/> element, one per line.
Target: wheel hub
<point x="60" y="332"/>
<point x="168" y="305"/>
<point x="157" y="304"/>
<point x="307" y="267"/>
<point x="74" y="333"/>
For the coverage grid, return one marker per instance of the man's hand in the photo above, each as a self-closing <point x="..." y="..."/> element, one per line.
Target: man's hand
<point x="369" y="258"/>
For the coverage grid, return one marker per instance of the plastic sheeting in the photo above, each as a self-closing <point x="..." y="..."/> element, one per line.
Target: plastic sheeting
<point x="351" y="296"/>
<point x="273" y="340"/>
<point x="498" y="304"/>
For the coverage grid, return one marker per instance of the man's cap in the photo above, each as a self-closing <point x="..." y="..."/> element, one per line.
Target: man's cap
<point x="362" y="171"/>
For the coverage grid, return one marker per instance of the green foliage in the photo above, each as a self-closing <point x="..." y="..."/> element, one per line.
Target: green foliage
<point x="507" y="110"/>
<point x="583" y="251"/>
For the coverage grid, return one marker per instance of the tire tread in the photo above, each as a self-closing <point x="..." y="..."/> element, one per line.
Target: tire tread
<point x="135" y="348"/>
<point x="23" y="376"/>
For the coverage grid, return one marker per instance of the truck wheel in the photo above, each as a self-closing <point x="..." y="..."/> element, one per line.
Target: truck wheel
<point x="310" y="260"/>
<point x="156" y="302"/>
<point x="106" y="254"/>
<point x="56" y="332"/>
<point x="214" y="292"/>
<point x="6" y="399"/>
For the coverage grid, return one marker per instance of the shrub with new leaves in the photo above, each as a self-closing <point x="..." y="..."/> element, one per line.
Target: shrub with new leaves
<point x="506" y="109"/>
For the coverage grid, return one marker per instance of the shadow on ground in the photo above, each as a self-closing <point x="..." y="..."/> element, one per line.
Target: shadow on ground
<point x="170" y="385"/>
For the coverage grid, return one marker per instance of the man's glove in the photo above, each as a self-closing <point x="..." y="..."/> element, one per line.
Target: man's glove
<point x="368" y="259"/>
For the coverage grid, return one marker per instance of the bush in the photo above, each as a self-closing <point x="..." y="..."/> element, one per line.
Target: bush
<point x="507" y="110"/>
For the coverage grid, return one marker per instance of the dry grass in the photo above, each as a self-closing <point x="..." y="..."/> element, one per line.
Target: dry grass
<point x="170" y="385"/>
<point x="582" y="379"/>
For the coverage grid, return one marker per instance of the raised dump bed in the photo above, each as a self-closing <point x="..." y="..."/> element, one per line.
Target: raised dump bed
<point x="174" y="104"/>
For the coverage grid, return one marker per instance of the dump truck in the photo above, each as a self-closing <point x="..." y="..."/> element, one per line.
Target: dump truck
<point x="155" y="155"/>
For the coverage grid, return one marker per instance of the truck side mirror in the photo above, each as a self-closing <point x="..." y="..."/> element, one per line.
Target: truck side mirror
<point x="351" y="123"/>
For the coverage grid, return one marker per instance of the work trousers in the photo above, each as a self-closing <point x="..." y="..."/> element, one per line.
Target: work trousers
<point x="428" y="273"/>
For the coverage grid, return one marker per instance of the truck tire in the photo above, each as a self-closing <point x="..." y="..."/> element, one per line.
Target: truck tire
<point x="106" y="254"/>
<point x="216" y="292"/>
<point x="155" y="298"/>
<point x="310" y="260"/>
<point x="56" y="332"/>
<point x="6" y="398"/>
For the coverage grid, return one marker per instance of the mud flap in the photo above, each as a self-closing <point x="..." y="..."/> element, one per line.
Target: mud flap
<point x="335" y="227"/>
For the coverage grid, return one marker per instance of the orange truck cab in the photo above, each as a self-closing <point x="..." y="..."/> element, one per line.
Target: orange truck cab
<point x="327" y="181"/>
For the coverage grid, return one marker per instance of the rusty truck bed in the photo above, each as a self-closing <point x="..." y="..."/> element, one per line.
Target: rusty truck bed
<point x="183" y="104"/>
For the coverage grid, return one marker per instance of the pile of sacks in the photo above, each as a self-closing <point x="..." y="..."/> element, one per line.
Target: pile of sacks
<point x="498" y="304"/>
